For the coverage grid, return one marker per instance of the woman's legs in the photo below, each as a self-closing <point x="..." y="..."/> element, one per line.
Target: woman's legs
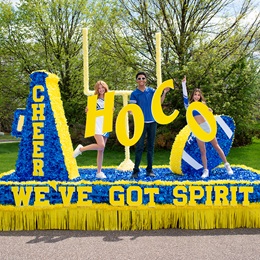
<point x="203" y="153"/>
<point x="100" y="156"/>
<point x="216" y="146"/>
<point x="220" y="152"/>
<point x="100" y="145"/>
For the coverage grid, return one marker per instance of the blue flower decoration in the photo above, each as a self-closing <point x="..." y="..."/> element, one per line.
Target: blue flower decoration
<point x="165" y="181"/>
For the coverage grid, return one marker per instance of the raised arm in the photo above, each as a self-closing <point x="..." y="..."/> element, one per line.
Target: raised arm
<point x="184" y="93"/>
<point x="166" y="90"/>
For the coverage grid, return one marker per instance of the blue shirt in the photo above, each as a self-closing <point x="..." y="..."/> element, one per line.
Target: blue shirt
<point x="144" y="101"/>
<point x="195" y="113"/>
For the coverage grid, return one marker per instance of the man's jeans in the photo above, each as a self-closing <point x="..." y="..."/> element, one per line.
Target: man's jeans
<point x="150" y="130"/>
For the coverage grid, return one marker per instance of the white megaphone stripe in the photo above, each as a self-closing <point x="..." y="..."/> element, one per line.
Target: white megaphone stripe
<point x="224" y="126"/>
<point x="191" y="161"/>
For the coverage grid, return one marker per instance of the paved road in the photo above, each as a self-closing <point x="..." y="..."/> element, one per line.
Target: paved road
<point x="158" y="244"/>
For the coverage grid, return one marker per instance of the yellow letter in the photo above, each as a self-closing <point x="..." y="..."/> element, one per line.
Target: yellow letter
<point x="35" y="98"/>
<point x="208" y="201"/>
<point x="37" y="130"/>
<point x="121" y="132"/>
<point x="195" y="127"/>
<point x="233" y="191"/>
<point x="194" y="196"/>
<point x="22" y="197"/>
<point x="129" y="200"/>
<point x="178" y="195"/>
<point x="221" y="192"/>
<point x="83" y="194"/>
<point x="157" y="110"/>
<point x="40" y="196"/>
<point x="93" y="113"/>
<point x="38" y="109"/>
<point x="151" y="192"/>
<point x="120" y="201"/>
<point x="246" y="190"/>
<point x="66" y="194"/>
<point x="37" y="150"/>
<point x="37" y="167"/>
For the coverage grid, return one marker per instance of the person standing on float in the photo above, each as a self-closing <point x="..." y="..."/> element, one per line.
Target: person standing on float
<point x="142" y="96"/>
<point x="101" y="138"/>
<point x="197" y="96"/>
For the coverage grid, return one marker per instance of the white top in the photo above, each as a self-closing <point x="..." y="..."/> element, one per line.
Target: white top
<point x="100" y="119"/>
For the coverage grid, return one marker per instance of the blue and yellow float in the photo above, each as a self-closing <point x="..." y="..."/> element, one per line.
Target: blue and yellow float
<point x="47" y="190"/>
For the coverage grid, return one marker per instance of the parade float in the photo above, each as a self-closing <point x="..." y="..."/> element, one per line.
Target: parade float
<point x="47" y="190"/>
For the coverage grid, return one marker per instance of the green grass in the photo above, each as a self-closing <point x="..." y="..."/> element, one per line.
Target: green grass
<point x="8" y="156"/>
<point x="247" y="155"/>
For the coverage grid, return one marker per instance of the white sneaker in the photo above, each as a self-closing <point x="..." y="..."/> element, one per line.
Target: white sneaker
<point x="228" y="168"/>
<point x="77" y="151"/>
<point x="101" y="175"/>
<point x="205" y="174"/>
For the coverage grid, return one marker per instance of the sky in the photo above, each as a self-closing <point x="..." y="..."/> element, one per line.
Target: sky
<point x="14" y="1"/>
<point x="233" y="8"/>
<point x="235" y="4"/>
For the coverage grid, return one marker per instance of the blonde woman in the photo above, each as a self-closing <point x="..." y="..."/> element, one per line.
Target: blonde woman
<point x="101" y="138"/>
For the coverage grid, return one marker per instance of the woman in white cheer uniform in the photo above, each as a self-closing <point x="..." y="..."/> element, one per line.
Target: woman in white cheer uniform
<point x="101" y="138"/>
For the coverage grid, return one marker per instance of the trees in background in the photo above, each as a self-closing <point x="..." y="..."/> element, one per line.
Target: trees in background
<point x="217" y="50"/>
<point x="214" y="43"/>
<point x="46" y="35"/>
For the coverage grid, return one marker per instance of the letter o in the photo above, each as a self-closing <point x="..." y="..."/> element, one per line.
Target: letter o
<point x="121" y="131"/>
<point x="209" y="117"/>
<point x="129" y="200"/>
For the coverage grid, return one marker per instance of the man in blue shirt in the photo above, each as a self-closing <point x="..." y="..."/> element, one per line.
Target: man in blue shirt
<point x="142" y="96"/>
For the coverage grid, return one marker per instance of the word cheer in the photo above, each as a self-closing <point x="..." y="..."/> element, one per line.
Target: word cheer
<point x="38" y="120"/>
<point x="158" y="114"/>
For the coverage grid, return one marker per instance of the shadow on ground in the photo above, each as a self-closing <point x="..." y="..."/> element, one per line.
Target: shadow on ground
<point x="53" y="236"/>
